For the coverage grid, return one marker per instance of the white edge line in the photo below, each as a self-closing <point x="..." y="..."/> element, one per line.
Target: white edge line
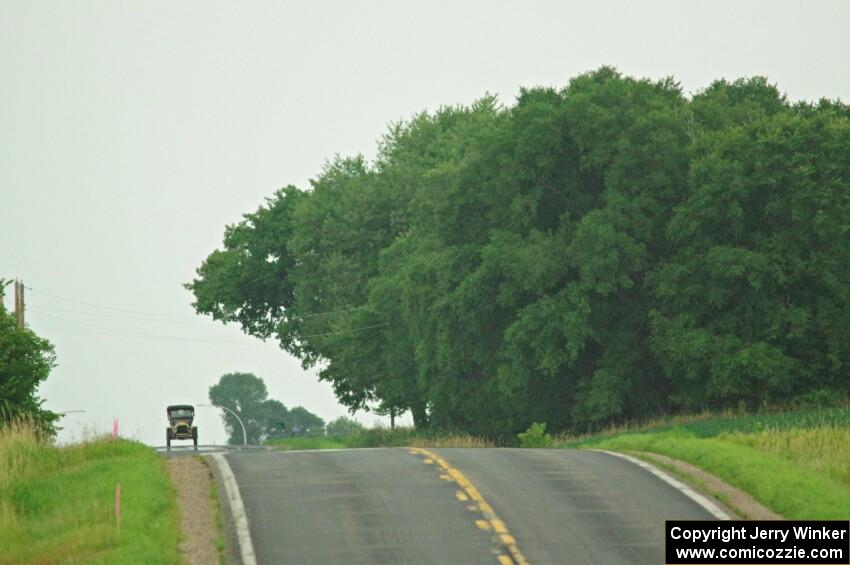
<point x="237" y="509"/>
<point x="700" y="499"/>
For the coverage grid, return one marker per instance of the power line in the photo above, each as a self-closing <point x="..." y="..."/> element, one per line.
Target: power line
<point x="105" y="307"/>
<point x="175" y="317"/>
<point x="149" y="336"/>
<point x="305" y="316"/>
<point x="130" y="317"/>
<point x="346" y="331"/>
<point x="102" y="330"/>
<point x="124" y="333"/>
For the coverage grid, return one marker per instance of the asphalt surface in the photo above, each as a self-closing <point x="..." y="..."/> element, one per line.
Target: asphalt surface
<point x="393" y="506"/>
<point x="188" y="450"/>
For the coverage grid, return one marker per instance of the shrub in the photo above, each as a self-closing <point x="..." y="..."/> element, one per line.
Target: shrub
<point x="535" y="436"/>
<point x="343" y="426"/>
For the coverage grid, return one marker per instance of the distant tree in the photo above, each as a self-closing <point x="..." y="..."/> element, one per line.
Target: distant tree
<point x="301" y="421"/>
<point x="25" y="362"/>
<point x="274" y="418"/>
<point x="245" y="394"/>
<point x="264" y="418"/>
<point x="343" y="426"/>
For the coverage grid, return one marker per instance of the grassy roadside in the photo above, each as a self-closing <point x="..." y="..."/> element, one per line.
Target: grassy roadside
<point x="57" y="503"/>
<point x="301" y="443"/>
<point x="795" y="463"/>
<point x="380" y="437"/>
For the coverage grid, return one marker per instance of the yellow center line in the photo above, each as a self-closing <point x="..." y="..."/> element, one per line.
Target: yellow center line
<point x="491" y="519"/>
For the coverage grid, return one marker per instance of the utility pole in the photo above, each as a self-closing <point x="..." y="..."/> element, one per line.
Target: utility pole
<point x="19" y="303"/>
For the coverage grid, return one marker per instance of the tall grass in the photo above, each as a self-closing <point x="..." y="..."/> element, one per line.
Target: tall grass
<point x="450" y="440"/>
<point x="382" y="437"/>
<point x="824" y="450"/>
<point x="708" y="424"/>
<point x="783" y="482"/>
<point x="797" y="463"/>
<point x="19" y="441"/>
<point x="57" y="504"/>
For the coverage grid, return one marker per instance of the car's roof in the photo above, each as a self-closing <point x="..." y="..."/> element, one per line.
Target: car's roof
<point x="180" y="407"/>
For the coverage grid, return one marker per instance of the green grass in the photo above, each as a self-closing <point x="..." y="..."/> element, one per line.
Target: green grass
<point x="57" y="504"/>
<point x="300" y="443"/>
<point x="381" y="437"/>
<point x="711" y="425"/>
<point x="795" y="463"/>
<point x="825" y="451"/>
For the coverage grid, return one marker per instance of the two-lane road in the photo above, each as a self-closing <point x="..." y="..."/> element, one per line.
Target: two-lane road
<point x="462" y="506"/>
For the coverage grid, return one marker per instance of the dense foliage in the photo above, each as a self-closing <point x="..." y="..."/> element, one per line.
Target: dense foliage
<point x="343" y="426"/>
<point x="25" y="362"/>
<point x="607" y="251"/>
<point x="263" y="417"/>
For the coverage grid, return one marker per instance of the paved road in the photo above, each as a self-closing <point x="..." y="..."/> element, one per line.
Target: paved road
<point x="189" y="450"/>
<point x="457" y="506"/>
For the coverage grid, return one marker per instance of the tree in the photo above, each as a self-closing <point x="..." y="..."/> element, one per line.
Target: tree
<point x="264" y="418"/>
<point x="343" y="426"/>
<point x="247" y="281"/>
<point x="602" y="252"/>
<point x="274" y="418"/>
<point x="301" y="421"/>
<point x="25" y="362"/>
<point x="245" y="394"/>
<point x="755" y="302"/>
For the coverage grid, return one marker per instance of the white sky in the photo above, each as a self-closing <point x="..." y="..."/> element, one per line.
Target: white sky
<point x="131" y="133"/>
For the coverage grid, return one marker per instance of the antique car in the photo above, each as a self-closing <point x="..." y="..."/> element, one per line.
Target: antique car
<point x="180" y="417"/>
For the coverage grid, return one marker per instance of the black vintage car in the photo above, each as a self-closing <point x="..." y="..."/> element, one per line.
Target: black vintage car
<point x="180" y="417"/>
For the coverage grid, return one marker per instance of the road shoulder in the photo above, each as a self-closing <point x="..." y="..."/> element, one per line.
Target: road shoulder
<point x="733" y="499"/>
<point x="193" y="483"/>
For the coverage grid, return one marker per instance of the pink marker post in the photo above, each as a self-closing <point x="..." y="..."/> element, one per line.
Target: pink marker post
<point x="118" y="506"/>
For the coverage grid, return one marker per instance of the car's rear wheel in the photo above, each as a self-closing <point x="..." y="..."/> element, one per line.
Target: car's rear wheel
<point x="195" y="437"/>
<point x="168" y="438"/>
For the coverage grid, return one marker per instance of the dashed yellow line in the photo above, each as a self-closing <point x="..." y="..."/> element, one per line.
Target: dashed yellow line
<point x="491" y="519"/>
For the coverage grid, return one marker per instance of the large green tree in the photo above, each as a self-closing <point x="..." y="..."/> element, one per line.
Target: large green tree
<point x="755" y="302"/>
<point x="602" y="252"/>
<point x="25" y="362"/>
<point x="248" y="280"/>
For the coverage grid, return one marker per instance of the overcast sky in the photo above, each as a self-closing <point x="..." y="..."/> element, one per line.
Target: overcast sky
<point x="132" y="133"/>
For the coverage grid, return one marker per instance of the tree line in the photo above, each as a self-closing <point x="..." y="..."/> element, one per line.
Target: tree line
<point x="606" y="251"/>
<point x="263" y="417"/>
